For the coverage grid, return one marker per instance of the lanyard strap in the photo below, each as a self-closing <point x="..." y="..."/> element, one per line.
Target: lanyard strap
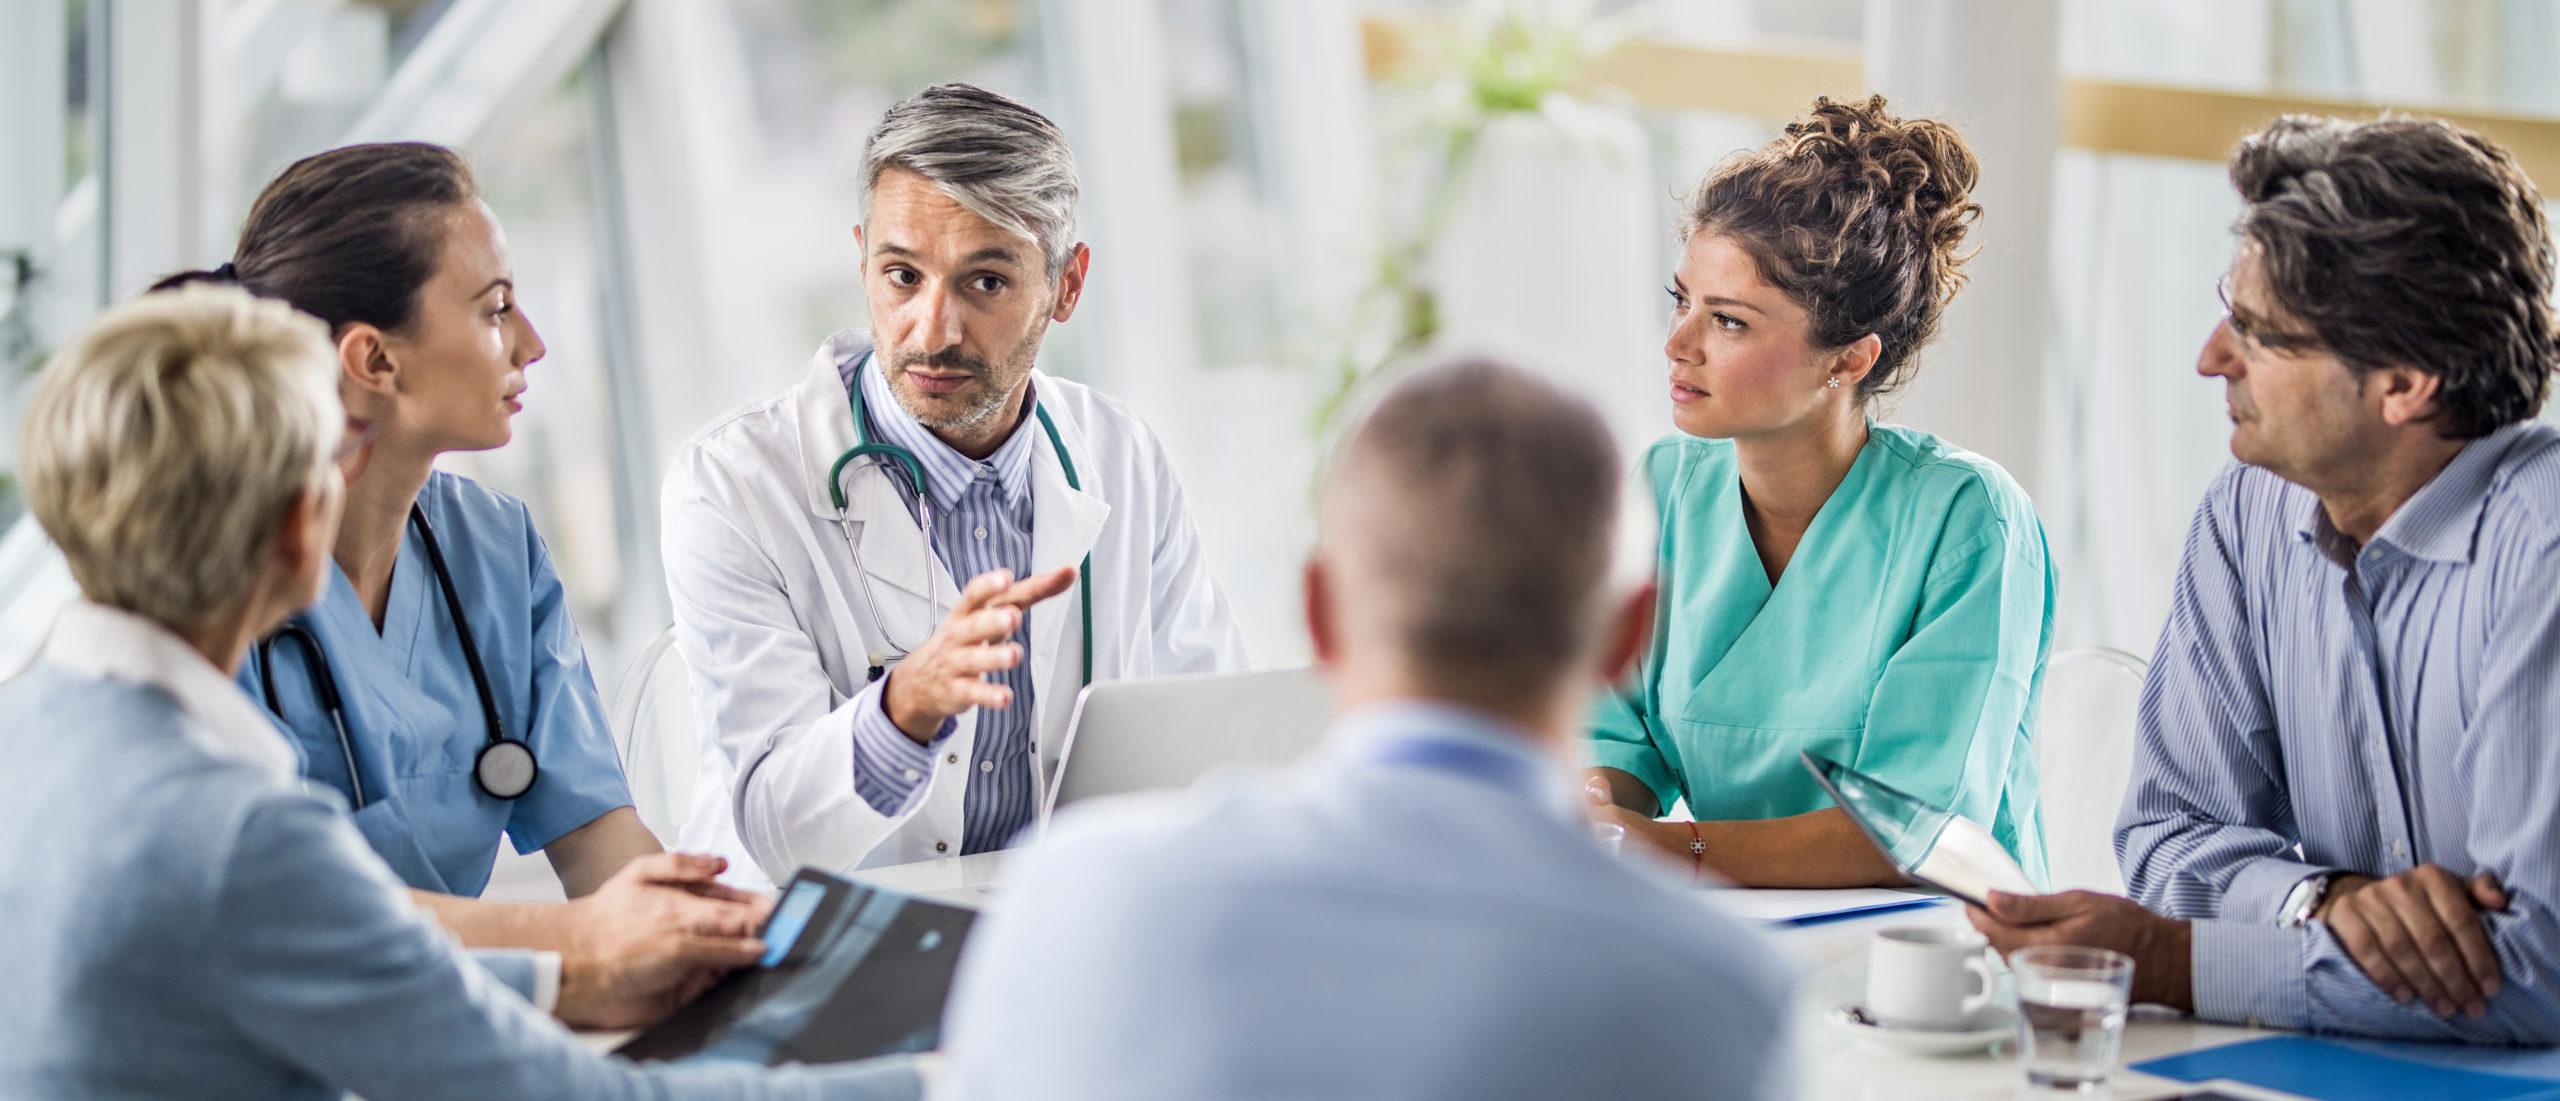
<point x="1507" y="771"/>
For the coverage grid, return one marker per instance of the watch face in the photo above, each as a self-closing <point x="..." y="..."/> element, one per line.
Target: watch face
<point x="2302" y="900"/>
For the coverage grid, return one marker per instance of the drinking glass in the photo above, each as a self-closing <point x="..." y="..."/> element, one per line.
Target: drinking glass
<point x="2071" y="1009"/>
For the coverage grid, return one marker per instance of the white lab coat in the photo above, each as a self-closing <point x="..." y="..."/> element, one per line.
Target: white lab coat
<point x="769" y="617"/>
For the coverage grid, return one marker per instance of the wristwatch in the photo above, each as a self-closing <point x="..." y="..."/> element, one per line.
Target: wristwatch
<point x="2304" y="900"/>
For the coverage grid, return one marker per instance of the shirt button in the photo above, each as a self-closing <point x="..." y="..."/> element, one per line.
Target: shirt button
<point x="2398" y="849"/>
<point x="913" y="775"/>
<point x="986" y="766"/>
<point x="982" y="531"/>
<point x="942" y="846"/>
<point x="950" y="758"/>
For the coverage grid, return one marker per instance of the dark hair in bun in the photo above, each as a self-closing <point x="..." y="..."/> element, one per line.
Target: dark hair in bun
<point x="349" y="235"/>
<point x="1858" y="216"/>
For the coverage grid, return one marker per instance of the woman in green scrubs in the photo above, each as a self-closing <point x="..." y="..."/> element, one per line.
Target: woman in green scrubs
<point x="1865" y="591"/>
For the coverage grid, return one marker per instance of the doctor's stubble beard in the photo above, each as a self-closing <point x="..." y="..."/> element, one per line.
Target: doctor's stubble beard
<point x="991" y="399"/>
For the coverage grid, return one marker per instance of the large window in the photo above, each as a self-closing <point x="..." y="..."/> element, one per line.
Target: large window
<point x="679" y="179"/>
<point x="50" y="241"/>
<point x="2133" y="435"/>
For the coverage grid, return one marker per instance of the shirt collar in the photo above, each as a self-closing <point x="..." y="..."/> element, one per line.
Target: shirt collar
<point x="1359" y="736"/>
<point x="94" y="640"/>
<point x="2440" y="520"/>
<point x="947" y="473"/>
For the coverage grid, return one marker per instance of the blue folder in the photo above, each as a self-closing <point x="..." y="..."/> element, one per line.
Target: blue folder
<point x="2328" y="1070"/>
<point x="1867" y="911"/>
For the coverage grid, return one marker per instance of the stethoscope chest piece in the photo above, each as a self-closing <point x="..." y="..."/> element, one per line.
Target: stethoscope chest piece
<point x="505" y="769"/>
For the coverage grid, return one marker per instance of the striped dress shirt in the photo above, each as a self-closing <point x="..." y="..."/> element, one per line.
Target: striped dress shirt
<point x="981" y="522"/>
<point x="2321" y="707"/>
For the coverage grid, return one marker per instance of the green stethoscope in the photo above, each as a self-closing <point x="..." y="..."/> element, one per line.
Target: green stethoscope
<point x="900" y="461"/>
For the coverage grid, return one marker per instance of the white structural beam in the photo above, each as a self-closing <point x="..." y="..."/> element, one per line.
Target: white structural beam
<point x="32" y="79"/>
<point x="1991" y="66"/>
<point x="152" y="143"/>
<point x="1312" y="118"/>
<point x="480" y="57"/>
<point x="1108" y="69"/>
<point x="681" y="118"/>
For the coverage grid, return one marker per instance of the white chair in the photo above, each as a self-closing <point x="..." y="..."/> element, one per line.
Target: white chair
<point x="654" y="732"/>
<point x="2084" y="760"/>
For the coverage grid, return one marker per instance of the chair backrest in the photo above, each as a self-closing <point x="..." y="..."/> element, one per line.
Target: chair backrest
<point x="2084" y="760"/>
<point x="653" y="729"/>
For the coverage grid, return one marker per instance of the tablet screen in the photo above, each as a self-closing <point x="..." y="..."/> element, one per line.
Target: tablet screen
<point x="1930" y="845"/>
<point x="849" y="971"/>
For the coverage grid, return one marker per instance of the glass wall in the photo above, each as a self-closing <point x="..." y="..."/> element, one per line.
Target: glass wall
<point x="50" y="244"/>
<point x="2133" y="435"/>
<point x="1266" y="220"/>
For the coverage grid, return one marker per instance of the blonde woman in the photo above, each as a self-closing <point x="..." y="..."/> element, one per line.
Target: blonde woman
<point x="183" y="920"/>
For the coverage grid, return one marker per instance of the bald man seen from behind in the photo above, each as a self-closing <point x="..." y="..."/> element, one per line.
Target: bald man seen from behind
<point x="1418" y="910"/>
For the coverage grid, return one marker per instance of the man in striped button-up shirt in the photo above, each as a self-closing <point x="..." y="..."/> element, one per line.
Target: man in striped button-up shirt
<point x="2346" y="798"/>
<point x="981" y="522"/>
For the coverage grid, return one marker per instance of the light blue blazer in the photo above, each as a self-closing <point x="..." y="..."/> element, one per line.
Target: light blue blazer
<point x="182" y="923"/>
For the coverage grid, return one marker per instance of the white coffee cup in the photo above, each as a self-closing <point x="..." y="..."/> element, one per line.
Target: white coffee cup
<point x="1927" y="977"/>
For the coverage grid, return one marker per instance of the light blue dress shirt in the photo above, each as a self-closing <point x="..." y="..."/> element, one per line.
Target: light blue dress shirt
<point x="413" y="715"/>
<point x="183" y="922"/>
<point x="981" y="522"/>
<point x="2318" y="707"/>
<point x="1417" y="912"/>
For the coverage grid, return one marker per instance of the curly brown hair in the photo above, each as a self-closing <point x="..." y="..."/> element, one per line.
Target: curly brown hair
<point x="1857" y="215"/>
<point x="2408" y="241"/>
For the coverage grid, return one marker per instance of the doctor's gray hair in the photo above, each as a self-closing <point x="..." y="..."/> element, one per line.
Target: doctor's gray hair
<point x="165" y="445"/>
<point x="1480" y="523"/>
<point x="991" y="153"/>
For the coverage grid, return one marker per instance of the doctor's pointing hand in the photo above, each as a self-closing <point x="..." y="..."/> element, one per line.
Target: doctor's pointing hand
<point x="948" y="674"/>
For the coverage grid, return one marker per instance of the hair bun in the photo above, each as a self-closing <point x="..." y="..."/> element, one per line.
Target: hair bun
<point x="225" y="274"/>
<point x="1921" y="164"/>
<point x="1858" y="215"/>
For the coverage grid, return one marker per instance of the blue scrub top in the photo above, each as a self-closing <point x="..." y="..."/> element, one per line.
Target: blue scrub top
<point x="413" y="716"/>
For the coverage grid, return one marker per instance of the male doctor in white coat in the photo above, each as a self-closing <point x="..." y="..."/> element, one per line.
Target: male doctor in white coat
<point x="876" y="573"/>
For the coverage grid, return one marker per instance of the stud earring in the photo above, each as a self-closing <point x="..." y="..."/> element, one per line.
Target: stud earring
<point x="1832" y="383"/>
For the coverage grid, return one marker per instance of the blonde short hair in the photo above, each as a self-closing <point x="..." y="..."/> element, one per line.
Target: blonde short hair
<point x="165" y="445"/>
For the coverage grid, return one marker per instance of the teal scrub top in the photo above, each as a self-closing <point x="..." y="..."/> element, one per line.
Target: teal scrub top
<point x="1906" y="638"/>
<point x="413" y="717"/>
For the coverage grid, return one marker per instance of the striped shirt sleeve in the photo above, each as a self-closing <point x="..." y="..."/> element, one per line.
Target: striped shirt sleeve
<point x="888" y="767"/>
<point x="2303" y="978"/>
<point x="2207" y="826"/>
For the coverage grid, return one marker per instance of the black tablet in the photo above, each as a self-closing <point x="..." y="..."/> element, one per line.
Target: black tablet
<point x="850" y="971"/>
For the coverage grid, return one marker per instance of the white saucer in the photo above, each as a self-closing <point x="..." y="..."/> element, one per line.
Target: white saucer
<point x="1988" y="1026"/>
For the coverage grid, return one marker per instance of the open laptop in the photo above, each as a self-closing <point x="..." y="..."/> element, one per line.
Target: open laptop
<point x="1165" y="732"/>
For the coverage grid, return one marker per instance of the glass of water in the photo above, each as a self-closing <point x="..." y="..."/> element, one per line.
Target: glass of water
<point x="2071" y="1007"/>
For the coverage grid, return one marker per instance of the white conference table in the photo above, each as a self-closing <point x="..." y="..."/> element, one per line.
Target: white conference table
<point x="1832" y="1064"/>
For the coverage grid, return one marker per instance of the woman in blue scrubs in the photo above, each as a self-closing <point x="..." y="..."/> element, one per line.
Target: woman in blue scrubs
<point x="456" y="705"/>
<point x="1865" y="591"/>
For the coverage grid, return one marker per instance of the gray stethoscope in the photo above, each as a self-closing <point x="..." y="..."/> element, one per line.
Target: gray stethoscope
<point x="505" y="768"/>
<point x="899" y="460"/>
